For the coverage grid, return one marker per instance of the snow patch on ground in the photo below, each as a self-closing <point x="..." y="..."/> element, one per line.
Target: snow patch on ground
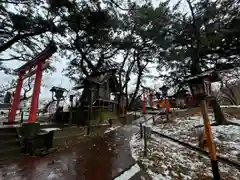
<point x="155" y="176"/>
<point x="234" y="120"/>
<point x="130" y="173"/>
<point x="167" y="160"/>
<point x="226" y="137"/>
<point x="111" y="129"/>
<point x="230" y="106"/>
<point x="50" y="129"/>
<point x="136" y="145"/>
<point x="52" y="175"/>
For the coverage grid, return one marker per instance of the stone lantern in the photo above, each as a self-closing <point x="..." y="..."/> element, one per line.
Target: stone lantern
<point x="164" y="90"/>
<point x="58" y="93"/>
<point x="158" y="95"/>
<point x="200" y="86"/>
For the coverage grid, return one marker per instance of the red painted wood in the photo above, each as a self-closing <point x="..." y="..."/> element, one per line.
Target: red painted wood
<point x="169" y="107"/>
<point x="16" y="99"/>
<point x="36" y="91"/>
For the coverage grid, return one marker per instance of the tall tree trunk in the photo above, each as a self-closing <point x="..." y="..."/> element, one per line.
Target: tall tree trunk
<point x="126" y="93"/>
<point x="140" y="74"/>
<point x="136" y="90"/>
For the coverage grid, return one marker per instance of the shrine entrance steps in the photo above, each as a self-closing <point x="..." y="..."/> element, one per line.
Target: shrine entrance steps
<point x="9" y="142"/>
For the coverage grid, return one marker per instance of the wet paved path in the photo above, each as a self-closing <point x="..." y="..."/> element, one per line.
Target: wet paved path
<point x="102" y="158"/>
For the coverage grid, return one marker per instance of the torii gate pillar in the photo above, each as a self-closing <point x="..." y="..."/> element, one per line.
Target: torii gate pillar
<point x="16" y="100"/>
<point x="36" y="91"/>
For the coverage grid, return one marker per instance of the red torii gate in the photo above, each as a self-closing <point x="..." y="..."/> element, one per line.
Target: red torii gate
<point x="40" y="63"/>
<point x="147" y="94"/>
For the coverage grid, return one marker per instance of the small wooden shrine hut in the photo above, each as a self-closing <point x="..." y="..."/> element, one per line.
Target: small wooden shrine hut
<point x="98" y="102"/>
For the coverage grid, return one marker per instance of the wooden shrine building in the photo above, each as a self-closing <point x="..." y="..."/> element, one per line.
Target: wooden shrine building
<point x="97" y="101"/>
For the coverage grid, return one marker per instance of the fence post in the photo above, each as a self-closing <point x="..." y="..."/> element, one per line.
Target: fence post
<point x="141" y="131"/>
<point x="110" y="122"/>
<point x="145" y="140"/>
<point x="167" y="115"/>
<point x="88" y="130"/>
<point x="22" y="113"/>
<point x="154" y="123"/>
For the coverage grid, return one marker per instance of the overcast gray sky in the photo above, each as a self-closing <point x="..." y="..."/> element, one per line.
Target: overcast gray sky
<point x="58" y="79"/>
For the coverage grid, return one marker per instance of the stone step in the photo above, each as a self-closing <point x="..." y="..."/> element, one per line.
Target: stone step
<point x="13" y="151"/>
<point x="8" y="133"/>
<point x="4" y="137"/>
<point x="8" y="130"/>
<point x="9" y="142"/>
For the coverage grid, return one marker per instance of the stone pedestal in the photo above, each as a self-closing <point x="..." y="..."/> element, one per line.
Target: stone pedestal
<point x="29" y="132"/>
